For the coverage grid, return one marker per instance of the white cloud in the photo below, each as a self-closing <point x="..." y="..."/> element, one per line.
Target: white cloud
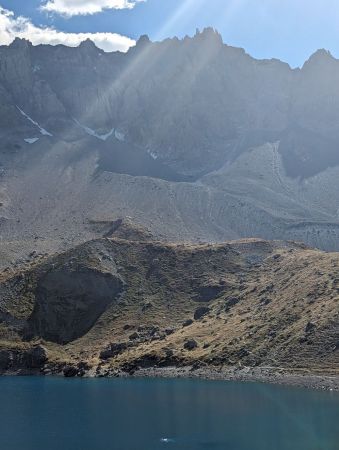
<point x="12" y="27"/>
<point x="83" y="7"/>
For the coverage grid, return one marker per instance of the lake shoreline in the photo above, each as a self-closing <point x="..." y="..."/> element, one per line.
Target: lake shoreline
<point x="268" y="375"/>
<point x="246" y="374"/>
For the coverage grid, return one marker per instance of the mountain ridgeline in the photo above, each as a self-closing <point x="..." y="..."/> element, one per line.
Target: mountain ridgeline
<point x="191" y="138"/>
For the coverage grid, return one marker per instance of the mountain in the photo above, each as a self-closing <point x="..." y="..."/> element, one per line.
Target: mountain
<point x="192" y="139"/>
<point x="113" y="305"/>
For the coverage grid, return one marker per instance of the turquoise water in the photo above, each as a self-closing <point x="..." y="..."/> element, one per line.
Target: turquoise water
<point x="101" y="414"/>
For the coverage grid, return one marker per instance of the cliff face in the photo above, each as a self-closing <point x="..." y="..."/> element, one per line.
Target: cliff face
<point x="191" y="138"/>
<point x="117" y="304"/>
<point x="194" y="103"/>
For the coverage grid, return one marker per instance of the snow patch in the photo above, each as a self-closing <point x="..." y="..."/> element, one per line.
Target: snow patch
<point x="104" y="137"/>
<point x="42" y="130"/>
<point x="31" y="140"/>
<point x="91" y="132"/>
<point x="152" y="154"/>
<point x="119" y="135"/>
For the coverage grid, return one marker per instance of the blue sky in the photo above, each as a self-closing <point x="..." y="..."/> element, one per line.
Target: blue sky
<point x="290" y="30"/>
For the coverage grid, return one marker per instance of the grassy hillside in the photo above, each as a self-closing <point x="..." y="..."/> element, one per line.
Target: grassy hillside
<point x="124" y="304"/>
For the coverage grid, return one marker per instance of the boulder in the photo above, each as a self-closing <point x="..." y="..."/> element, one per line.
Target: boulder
<point x="70" y="371"/>
<point x="201" y="312"/>
<point x="231" y="301"/>
<point x="113" y="350"/>
<point x="310" y="327"/>
<point x="134" y="336"/>
<point x="190" y="345"/>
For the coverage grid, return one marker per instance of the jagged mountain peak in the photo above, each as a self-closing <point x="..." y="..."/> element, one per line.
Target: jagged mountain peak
<point x="320" y="57"/>
<point x="209" y="33"/>
<point x="143" y="39"/>
<point x="88" y="44"/>
<point x="20" y="43"/>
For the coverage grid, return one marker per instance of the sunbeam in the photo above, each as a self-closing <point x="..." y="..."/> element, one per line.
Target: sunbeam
<point x="180" y="15"/>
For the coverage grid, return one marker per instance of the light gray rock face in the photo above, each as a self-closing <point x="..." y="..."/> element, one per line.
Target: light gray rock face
<point x="191" y="138"/>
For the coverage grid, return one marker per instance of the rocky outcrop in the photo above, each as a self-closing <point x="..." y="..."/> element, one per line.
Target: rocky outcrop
<point x="113" y="350"/>
<point x="201" y="312"/>
<point x="69" y="302"/>
<point x="17" y="360"/>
